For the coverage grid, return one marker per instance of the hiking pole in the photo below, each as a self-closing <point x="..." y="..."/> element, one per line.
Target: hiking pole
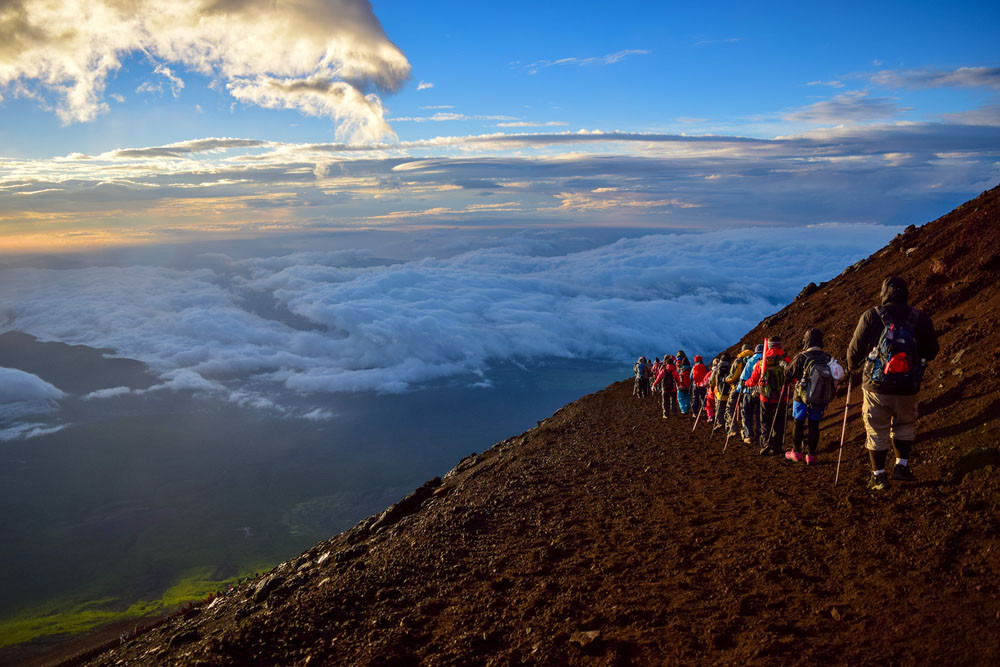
<point x="843" y="429"/>
<point x="729" y="430"/>
<point x="698" y="418"/>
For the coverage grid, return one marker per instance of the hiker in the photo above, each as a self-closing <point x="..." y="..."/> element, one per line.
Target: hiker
<point x="816" y="382"/>
<point x="719" y="388"/>
<point x="683" y="383"/>
<point x="698" y="387"/>
<point x="736" y="388"/>
<point x="641" y="370"/>
<point x="710" y="393"/>
<point x="894" y="342"/>
<point x="750" y="402"/>
<point x="653" y="370"/>
<point x="768" y="376"/>
<point x="667" y="379"/>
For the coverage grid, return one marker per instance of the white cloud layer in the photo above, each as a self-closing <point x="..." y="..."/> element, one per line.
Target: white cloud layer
<point x="21" y="395"/>
<point x="16" y="385"/>
<point x="350" y="326"/>
<point x="317" y="56"/>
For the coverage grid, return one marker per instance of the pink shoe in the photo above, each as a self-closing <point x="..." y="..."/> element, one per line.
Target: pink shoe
<point x="793" y="456"/>
<point x="811" y="460"/>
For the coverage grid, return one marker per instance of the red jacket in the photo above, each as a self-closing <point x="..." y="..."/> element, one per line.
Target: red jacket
<point x="775" y="355"/>
<point x="699" y="373"/>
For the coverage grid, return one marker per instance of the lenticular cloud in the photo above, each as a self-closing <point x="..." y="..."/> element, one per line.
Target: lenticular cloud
<point x="319" y="57"/>
<point x="327" y="322"/>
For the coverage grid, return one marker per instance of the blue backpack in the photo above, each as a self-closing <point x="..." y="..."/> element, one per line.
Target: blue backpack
<point x="894" y="362"/>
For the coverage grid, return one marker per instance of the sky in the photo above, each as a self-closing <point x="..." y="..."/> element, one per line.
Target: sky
<point x="268" y="200"/>
<point x="128" y="123"/>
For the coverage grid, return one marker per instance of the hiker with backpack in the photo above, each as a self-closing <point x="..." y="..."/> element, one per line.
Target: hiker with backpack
<point x="667" y="379"/>
<point x="683" y="383"/>
<point x="815" y="374"/>
<point x="710" y="392"/>
<point x="641" y="370"/>
<point x="719" y="388"/>
<point x="653" y="371"/>
<point x="768" y="377"/>
<point x="891" y="347"/>
<point x="750" y="406"/>
<point x="736" y="389"/>
<point x="699" y="387"/>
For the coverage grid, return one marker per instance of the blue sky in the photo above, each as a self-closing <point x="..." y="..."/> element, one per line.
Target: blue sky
<point x="349" y="115"/>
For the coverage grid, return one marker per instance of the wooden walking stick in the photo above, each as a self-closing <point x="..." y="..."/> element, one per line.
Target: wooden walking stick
<point x="843" y="429"/>
<point x="698" y="418"/>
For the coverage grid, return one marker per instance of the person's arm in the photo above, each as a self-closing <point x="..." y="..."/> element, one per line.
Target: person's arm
<point x="927" y="342"/>
<point x="754" y="376"/>
<point x="861" y="343"/>
<point x="793" y="371"/>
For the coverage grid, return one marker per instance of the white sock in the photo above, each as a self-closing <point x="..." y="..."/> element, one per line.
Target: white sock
<point x="902" y="462"/>
<point x="878" y="472"/>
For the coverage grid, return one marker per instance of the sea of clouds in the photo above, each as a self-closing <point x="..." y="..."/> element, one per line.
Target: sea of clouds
<point x="250" y="329"/>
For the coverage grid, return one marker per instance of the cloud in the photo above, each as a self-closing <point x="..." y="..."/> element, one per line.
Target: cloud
<point x="424" y="85"/>
<point x="185" y="148"/>
<point x="359" y="117"/>
<point x="608" y="59"/>
<point x="176" y="84"/>
<point x="847" y="108"/>
<point x="23" y="395"/>
<point x="523" y="123"/>
<point x="17" y="385"/>
<point x="25" y="431"/>
<point x="832" y="84"/>
<point x="365" y="325"/>
<point x="710" y="42"/>
<point x="316" y="56"/>
<point x="962" y="77"/>
<point x="110" y="392"/>
<point x="444" y="116"/>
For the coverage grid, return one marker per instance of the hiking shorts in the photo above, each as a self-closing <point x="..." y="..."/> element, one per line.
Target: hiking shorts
<point x="888" y="417"/>
<point x="802" y="411"/>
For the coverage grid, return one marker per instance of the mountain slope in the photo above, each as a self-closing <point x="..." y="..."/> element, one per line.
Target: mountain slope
<point x="610" y="535"/>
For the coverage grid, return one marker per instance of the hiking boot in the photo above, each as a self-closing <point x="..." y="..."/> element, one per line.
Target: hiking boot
<point x="811" y="459"/>
<point x="901" y="473"/>
<point x="878" y="482"/>
<point x="766" y="451"/>
<point x="793" y="456"/>
<point x="748" y="441"/>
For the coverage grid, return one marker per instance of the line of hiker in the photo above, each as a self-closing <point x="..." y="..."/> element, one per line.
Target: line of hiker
<point x="750" y="396"/>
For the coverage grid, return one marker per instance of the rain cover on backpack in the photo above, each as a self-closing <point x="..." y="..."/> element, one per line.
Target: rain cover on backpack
<point x="894" y="361"/>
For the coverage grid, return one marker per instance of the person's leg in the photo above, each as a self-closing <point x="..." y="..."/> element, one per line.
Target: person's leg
<point x="767" y="413"/>
<point x="903" y="432"/>
<point x="877" y="420"/>
<point x="798" y="425"/>
<point x="812" y="442"/>
<point x="776" y="427"/>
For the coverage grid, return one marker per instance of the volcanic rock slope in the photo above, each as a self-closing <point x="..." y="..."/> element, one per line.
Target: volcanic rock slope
<point x="610" y="535"/>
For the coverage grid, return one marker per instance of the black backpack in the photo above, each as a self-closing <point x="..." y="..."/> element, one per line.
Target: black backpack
<point x="894" y="362"/>
<point x="819" y="386"/>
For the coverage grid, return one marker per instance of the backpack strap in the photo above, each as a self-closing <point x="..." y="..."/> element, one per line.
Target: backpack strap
<point x="883" y="314"/>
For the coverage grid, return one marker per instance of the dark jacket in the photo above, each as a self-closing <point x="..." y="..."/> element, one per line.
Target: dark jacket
<point x="866" y="335"/>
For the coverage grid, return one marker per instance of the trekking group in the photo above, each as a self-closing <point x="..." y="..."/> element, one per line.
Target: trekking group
<point x="750" y="395"/>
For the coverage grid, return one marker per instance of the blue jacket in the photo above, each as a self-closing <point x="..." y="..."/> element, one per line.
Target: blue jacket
<point x="748" y="370"/>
